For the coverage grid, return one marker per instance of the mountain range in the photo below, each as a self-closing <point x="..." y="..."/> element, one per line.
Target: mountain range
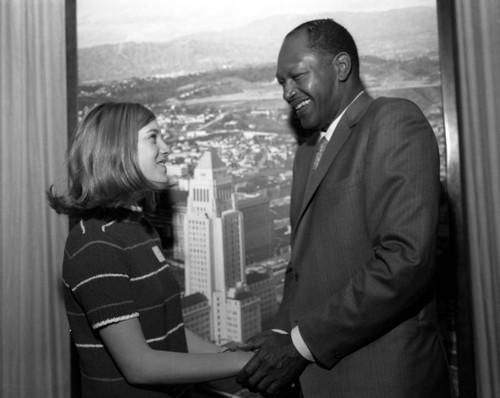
<point x="395" y="34"/>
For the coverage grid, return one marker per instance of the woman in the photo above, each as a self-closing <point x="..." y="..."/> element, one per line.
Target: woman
<point x="122" y="301"/>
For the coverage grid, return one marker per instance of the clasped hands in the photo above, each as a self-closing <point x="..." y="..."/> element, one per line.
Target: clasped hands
<point x="275" y="365"/>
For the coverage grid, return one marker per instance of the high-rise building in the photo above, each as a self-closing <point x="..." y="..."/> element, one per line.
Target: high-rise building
<point x="214" y="243"/>
<point x="243" y="317"/>
<point x="179" y="214"/>
<point x="263" y="285"/>
<point x="177" y="170"/>
<point x="196" y="314"/>
<point x="258" y="226"/>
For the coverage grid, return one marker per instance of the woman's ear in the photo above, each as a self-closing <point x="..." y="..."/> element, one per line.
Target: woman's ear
<point x="342" y="64"/>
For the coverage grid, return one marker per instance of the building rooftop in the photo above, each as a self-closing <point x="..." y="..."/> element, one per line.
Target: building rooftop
<point x="242" y="295"/>
<point x="254" y="277"/>
<point x="210" y="160"/>
<point x="193" y="299"/>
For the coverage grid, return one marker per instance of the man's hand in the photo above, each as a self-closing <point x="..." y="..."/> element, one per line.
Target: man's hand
<point x="255" y="342"/>
<point x="276" y="364"/>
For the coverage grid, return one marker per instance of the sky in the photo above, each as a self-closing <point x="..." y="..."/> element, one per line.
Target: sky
<point x="115" y="21"/>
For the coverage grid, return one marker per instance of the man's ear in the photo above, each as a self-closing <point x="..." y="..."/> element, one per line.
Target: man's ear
<point x="342" y="64"/>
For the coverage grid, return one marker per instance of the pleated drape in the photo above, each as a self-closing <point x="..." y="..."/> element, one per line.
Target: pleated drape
<point x="478" y="62"/>
<point x="33" y="140"/>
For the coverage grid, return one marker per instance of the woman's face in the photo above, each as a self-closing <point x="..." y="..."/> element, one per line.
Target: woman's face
<point x="152" y="153"/>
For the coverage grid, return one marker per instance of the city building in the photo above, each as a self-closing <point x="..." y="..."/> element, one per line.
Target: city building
<point x="196" y="314"/>
<point x="179" y="205"/>
<point x="177" y="170"/>
<point x="258" y="226"/>
<point x="214" y="249"/>
<point x="263" y="285"/>
<point x="242" y="315"/>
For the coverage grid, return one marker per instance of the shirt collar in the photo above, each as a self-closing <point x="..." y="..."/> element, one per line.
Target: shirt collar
<point x="329" y="132"/>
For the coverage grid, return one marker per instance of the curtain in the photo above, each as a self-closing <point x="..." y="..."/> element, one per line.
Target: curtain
<point x="33" y="139"/>
<point x="478" y="44"/>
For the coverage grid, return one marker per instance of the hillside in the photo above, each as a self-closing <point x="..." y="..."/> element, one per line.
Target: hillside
<point x="395" y="34"/>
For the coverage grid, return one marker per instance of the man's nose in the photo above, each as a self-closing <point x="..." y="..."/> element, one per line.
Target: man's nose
<point x="288" y="91"/>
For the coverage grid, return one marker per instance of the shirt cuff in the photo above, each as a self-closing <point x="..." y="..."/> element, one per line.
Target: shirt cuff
<point x="300" y="345"/>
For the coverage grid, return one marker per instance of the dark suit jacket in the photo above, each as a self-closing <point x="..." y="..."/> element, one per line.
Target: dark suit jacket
<point x="360" y="280"/>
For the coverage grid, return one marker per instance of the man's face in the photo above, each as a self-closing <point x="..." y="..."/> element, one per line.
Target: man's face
<point x="309" y="83"/>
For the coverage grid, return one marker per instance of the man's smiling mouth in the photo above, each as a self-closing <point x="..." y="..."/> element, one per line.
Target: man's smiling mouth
<point x="302" y="104"/>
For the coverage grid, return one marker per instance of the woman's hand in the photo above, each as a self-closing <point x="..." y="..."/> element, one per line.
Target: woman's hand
<point x="140" y="364"/>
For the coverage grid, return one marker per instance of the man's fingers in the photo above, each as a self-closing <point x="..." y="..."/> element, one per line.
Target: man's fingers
<point x="265" y="383"/>
<point x="276" y="364"/>
<point x="257" y="340"/>
<point x="252" y="366"/>
<point x="254" y="381"/>
<point x="246" y="346"/>
<point x="248" y="370"/>
<point x="272" y="389"/>
<point x="230" y="345"/>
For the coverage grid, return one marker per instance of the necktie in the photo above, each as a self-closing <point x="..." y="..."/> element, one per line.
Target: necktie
<point x="321" y="148"/>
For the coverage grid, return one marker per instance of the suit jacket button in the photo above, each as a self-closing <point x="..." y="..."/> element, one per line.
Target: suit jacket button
<point x="338" y="355"/>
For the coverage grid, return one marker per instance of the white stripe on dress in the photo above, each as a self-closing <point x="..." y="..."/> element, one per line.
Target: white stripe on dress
<point x="115" y="320"/>
<point x="104" y="242"/>
<point x="99" y="277"/>
<point x="138" y="278"/>
<point x="107" y="225"/>
<point x="123" y="318"/>
<point x="159" y="304"/>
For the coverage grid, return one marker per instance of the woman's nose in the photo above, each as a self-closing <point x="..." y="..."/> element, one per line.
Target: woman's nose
<point x="164" y="147"/>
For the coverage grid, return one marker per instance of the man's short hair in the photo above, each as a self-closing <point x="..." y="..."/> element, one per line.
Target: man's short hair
<point x="329" y="38"/>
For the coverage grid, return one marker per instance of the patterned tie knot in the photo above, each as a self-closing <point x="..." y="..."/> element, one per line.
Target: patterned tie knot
<point x="323" y="142"/>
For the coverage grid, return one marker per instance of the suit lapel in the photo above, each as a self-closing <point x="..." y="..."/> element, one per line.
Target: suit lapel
<point x="311" y="181"/>
<point x="304" y="156"/>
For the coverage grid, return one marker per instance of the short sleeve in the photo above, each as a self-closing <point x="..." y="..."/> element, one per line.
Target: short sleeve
<point x="98" y="277"/>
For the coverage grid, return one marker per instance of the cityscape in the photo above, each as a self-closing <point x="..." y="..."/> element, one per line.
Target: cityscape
<point x="224" y="222"/>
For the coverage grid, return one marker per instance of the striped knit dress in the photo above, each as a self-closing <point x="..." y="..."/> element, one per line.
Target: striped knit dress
<point x="114" y="271"/>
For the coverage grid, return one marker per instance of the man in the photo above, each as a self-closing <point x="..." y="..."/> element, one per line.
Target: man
<point x="358" y="314"/>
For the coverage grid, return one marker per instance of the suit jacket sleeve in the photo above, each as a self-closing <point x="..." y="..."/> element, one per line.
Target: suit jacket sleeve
<point x="401" y="198"/>
<point x="282" y="319"/>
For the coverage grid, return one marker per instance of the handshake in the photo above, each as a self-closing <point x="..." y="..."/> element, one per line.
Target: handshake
<point x="274" y="368"/>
